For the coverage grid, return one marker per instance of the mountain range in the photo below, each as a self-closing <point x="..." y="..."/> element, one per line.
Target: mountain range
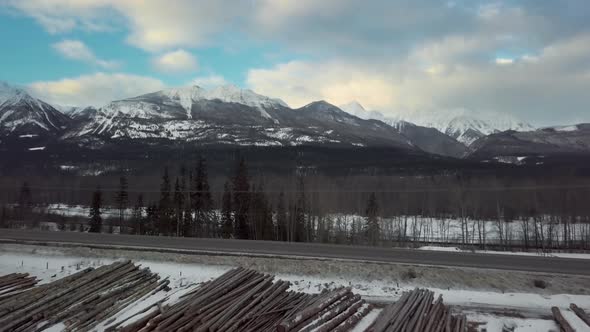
<point x="465" y="127"/>
<point x="228" y="115"/>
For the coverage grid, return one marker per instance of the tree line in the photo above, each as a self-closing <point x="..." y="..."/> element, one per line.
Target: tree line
<point x="550" y="212"/>
<point x="186" y="208"/>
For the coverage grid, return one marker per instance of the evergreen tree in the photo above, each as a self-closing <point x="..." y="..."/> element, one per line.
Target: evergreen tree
<point x="178" y="206"/>
<point x="269" y="226"/>
<point x="241" y="201"/>
<point x="261" y="215"/>
<point x="138" y="216"/>
<point x="202" y="201"/>
<point x="282" y="222"/>
<point x="25" y="202"/>
<point x="61" y="223"/>
<point x="3" y="217"/>
<point x="226" y="212"/>
<point x="188" y="210"/>
<point x="121" y="200"/>
<point x="152" y="223"/>
<point x="300" y="205"/>
<point x="165" y="208"/>
<point x="372" y="220"/>
<point x="95" y="213"/>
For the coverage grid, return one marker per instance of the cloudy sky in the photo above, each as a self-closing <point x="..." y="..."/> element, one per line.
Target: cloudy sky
<point x="528" y="58"/>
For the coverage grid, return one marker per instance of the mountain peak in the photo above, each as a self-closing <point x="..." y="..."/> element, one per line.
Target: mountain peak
<point x="11" y="93"/>
<point x="22" y="113"/>
<point x="353" y="107"/>
<point x="321" y="105"/>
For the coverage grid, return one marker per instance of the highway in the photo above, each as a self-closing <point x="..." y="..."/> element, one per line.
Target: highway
<point x="550" y="265"/>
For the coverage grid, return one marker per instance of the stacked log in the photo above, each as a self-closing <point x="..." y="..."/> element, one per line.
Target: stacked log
<point x="415" y="311"/>
<point x="238" y="300"/>
<point x="80" y="301"/>
<point x="564" y="325"/>
<point x="245" y="300"/>
<point x="14" y="283"/>
<point x="580" y="313"/>
<point x="331" y="311"/>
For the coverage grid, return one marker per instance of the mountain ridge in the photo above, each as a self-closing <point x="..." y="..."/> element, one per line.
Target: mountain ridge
<point x="460" y="125"/>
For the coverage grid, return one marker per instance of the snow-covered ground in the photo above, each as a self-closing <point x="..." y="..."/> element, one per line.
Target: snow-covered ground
<point x="480" y="305"/>
<point x="408" y="228"/>
<point x="453" y="230"/>
<point x="520" y="253"/>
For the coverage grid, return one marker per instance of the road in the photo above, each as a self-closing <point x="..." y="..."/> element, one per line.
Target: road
<point x="388" y="255"/>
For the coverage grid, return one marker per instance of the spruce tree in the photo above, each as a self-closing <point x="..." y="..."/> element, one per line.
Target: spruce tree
<point x="261" y="215"/>
<point x="241" y="201"/>
<point x="152" y="223"/>
<point x="226" y="212"/>
<point x="202" y="201"/>
<point x="165" y="207"/>
<point x="372" y="220"/>
<point x="282" y="222"/>
<point x="138" y="216"/>
<point x="95" y="213"/>
<point x="121" y="200"/>
<point x="3" y="217"/>
<point x="25" y="202"/>
<point x="300" y="209"/>
<point x="178" y="206"/>
<point x="187" y="221"/>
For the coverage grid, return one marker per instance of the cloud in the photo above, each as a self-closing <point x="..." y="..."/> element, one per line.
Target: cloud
<point x="175" y="61"/>
<point x="382" y="53"/>
<point x="154" y="25"/>
<point x="504" y="61"/>
<point x="546" y="90"/>
<point x="299" y="83"/>
<point x="209" y="81"/>
<point x="77" y="50"/>
<point x="96" y="89"/>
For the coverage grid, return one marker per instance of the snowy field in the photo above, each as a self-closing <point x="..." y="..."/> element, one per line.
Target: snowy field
<point x="487" y="307"/>
<point x="408" y="228"/>
<point x="519" y="253"/>
<point x="469" y="231"/>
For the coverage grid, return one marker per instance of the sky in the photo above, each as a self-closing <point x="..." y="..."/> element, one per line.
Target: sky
<point x="529" y="59"/>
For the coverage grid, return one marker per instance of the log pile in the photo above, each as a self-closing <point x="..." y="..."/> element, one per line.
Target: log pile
<point x="238" y="300"/>
<point x="245" y="300"/>
<point x="564" y="325"/>
<point x="580" y="313"/>
<point x="14" y="283"/>
<point x="416" y="311"/>
<point x="81" y="300"/>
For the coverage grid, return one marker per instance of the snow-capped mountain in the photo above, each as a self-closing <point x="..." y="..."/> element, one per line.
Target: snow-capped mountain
<point x="428" y="139"/>
<point x="229" y="115"/>
<point x="21" y="114"/>
<point x="465" y="127"/>
<point x="187" y="96"/>
<point x="469" y="128"/>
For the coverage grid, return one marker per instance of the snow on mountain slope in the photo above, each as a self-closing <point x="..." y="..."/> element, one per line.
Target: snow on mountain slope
<point x="229" y="115"/>
<point x="22" y="114"/>
<point x="467" y="127"/>
<point x="464" y="126"/>
<point x="186" y="96"/>
<point x="427" y="139"/>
